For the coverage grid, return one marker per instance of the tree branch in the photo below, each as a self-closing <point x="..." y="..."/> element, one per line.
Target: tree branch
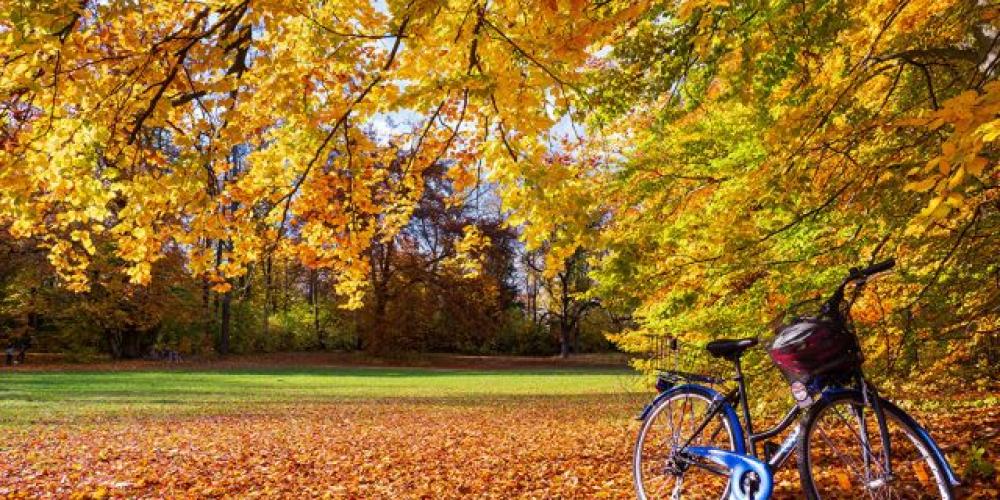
<point x="530" y="57"/>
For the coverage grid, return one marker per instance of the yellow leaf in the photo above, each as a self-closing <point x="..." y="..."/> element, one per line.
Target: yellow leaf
<point x="930" y="164"/>
<point x="955" y="200"/>
<point x="944" y="166"/>
<point x="921" y="186"/>
<point x="936" y="209"/>
<point x="976" y="166"/>
<point x="956" y="178"/>
<point x="990" y="131"/>
<point x="921" y="472"/>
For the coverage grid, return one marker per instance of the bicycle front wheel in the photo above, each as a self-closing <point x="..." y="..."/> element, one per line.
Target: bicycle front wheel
<point x="841" y="454"/>
<point x="659" y="467"/>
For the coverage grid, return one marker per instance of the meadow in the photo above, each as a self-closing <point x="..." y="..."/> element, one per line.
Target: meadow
<point x="60" y="396"/>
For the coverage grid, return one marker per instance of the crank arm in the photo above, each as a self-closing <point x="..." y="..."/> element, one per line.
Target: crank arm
<point x="740" y="469"/>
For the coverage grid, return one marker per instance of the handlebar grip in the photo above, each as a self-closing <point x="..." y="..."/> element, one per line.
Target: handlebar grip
<point x="877" y="268"/>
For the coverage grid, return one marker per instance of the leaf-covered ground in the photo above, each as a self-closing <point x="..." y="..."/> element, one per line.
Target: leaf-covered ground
<point x="541" y="434"/>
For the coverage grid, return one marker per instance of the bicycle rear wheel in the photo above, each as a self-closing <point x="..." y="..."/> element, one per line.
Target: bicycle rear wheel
<point x="659" y="469"/>
<point x="840" y="454"/>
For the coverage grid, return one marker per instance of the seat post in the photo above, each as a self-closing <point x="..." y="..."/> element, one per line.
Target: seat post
<point x="746" y="407"/>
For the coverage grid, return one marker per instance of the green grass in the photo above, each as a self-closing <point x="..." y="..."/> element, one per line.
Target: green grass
<point x="32" y="397"/>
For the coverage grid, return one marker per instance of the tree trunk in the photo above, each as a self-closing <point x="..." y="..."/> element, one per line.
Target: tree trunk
<point x="286" y="288"/>
<point x="576" y="337"/>
<point x="564" y="324"/>
<point x="381" y="275"/>
<point x="206" y="306"/>
<point x="267" y="296"/>
<point x="114" y="343"/>
<point x="533" y="299"/>
<point x="218" y="262"/>
<point x="564" y="337"/>
<point x="224" y="327"/>
<point x="314" y="300"/>
<point x="131" y="344"/>
<point x="376" y="330"/>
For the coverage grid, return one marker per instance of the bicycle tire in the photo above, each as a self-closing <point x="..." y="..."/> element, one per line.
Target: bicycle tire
<point x="895" y="416"/>
<point x="666" y="403"/>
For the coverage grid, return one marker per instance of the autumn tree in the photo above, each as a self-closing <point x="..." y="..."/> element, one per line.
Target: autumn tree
<point x="89" y="89"/>
<point x="442" y="262"/>
<point x="115" y="316"/>
<point x="751" y="152"/>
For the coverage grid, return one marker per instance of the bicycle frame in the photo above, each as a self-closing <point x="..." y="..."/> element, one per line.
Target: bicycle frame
<point x="745" y="438"/>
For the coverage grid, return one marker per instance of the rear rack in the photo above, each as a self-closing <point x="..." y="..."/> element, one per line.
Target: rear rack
<point x="678" y="362"/>
<point x="676" y="377"/>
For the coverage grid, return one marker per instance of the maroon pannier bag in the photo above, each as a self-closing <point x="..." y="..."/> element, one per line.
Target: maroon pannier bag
<point x="809" y="347"/>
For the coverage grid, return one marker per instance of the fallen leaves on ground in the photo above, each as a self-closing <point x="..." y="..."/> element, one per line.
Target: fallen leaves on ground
<point x="538" y="447"/>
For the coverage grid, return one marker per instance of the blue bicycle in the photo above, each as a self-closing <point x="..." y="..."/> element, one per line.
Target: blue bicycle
<point x="850" y="442"/>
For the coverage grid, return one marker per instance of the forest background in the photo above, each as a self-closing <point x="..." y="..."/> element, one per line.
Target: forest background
<point x="495" y="176"/>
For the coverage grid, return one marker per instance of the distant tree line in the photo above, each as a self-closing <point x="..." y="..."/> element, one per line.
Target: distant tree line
<point x="416" y="300"/>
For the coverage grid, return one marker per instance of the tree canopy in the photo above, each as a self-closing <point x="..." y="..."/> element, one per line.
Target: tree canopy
<point x="719" y="160"/>
<point x="177" y="123"/>
<point x="762" y="148"/>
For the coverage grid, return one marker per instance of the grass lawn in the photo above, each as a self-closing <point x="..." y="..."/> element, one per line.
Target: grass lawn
<point x="30" y="397"/>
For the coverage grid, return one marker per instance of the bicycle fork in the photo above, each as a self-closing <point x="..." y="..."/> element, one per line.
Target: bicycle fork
<point x="871" y="397"/>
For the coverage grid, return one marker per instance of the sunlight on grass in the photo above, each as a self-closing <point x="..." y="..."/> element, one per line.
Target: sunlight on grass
<point x="58" y="396"/>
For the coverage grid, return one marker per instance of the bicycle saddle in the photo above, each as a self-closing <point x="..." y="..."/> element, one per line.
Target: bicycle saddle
<point x="730" y="349"/>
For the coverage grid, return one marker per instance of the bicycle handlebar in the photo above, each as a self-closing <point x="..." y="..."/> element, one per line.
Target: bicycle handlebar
<point x="871" y="270"/>
<point x="832" y="305"/>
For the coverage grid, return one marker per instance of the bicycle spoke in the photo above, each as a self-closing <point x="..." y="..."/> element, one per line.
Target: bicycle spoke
<point x="865" y="448"/>
<point x="843" y="457"/>
<point x="661" y="470"/>
<point x="694" y="423"/>
<point x="680" y="428"/>
<point x="847" y="427"/>
<point x="678" y="488"/>
<point x="673" y="428"/>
